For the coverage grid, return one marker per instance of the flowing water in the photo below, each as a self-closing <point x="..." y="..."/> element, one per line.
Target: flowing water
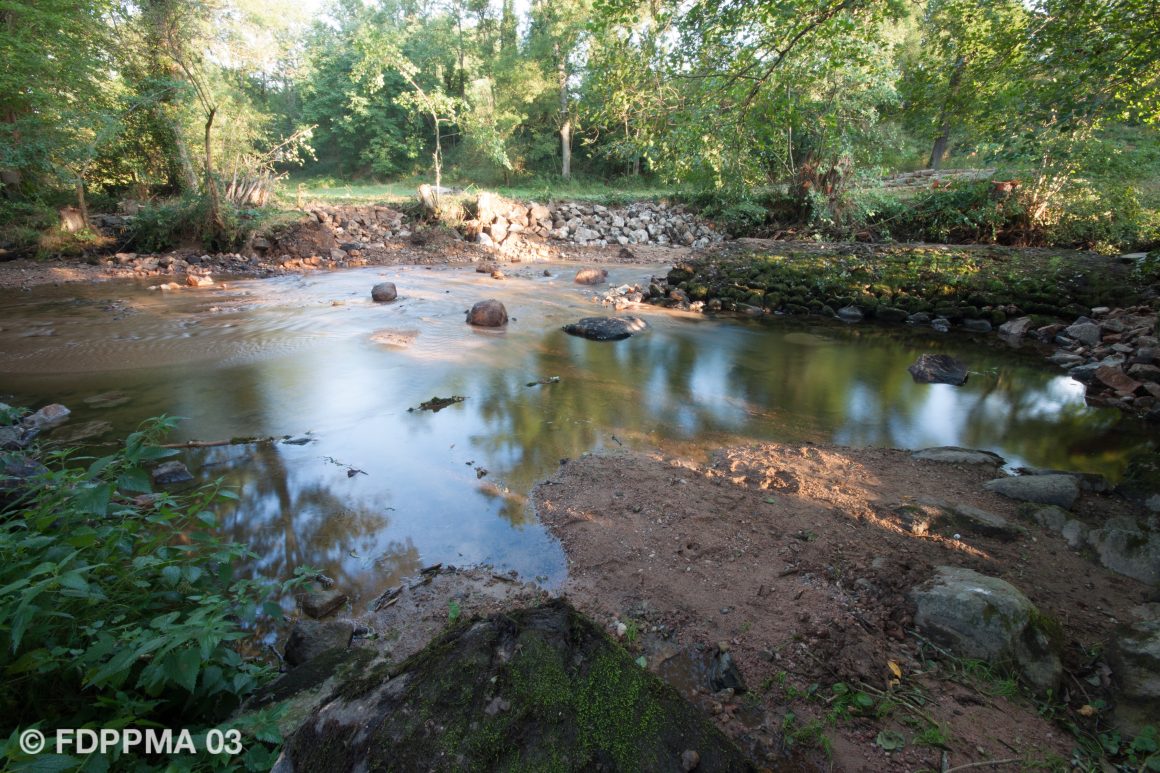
<point x="381" y="491"/>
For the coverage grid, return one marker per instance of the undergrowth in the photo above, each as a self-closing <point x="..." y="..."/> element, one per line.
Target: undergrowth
<point x="120" y="607"/>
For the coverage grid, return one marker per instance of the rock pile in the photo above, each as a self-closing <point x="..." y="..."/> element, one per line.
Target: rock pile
<point x="369" y="224"/>
<point x="496" y="219"/>
<point x="1115" y="353"/>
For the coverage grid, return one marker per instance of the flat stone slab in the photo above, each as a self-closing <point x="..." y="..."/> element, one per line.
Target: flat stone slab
<point x="956" y="455"/>
<point x="606" y="328"/>
<point x="309" y="639"/>
<point x="1059" y="490"/>
<point x="320" y="604"/>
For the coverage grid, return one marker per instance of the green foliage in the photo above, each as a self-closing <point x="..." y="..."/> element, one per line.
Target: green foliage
<point x="185" y="221"/>
<point x="121" y="606"/>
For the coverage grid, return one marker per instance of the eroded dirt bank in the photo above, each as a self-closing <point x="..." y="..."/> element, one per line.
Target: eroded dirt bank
<point x="799" y="562"/>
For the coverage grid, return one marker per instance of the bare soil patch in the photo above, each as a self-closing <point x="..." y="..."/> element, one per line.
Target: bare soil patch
<point x="791" y="558"/>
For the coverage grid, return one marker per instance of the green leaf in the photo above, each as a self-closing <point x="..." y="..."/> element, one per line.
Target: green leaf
<point x="51" y="763"/>
<point x="136" y="480"/>
<point x="890" y="740"/>
<point x="94" y="499"/>
<point x="184" y="668"/>
<point x="171" y="574"/>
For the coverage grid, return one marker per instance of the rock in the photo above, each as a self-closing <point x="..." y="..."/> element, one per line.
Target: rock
<point x="1126" y="548"/>
<point x="1066" y="359"/>
<point x="1115" y="378"/>
<point x="977" y="325"/>
<point x="572" y="695"/>
<point x="927" y="515"/>
<point x="1085" y="373"/>
<point x="1051" y="517"/>
<point x="724" y="675"/>
<point x="986" y="524"/>
<point x="1145" y="372"/>
<point x="489" y="313"/>
<point x="690" y="760"/>
<point x="1087" y="333"/>
<point x="1134" y="655"/>
<point x="384" y="292"/>
<point x="107" y="400"/>
<point x="74" y="433"/>
<point x="890" y="314"/>
<point x="310" y="639"/>
<point x="590" y="276"/>
<point x="850" y="314"/>
<point x="15" y="438"/>
<point x="486" y="267"/>
<point x="1075" y="533"/>
<point x="956" y="455"/>
<point x="193" y="280"/>
<point x="981" y="617"/>
<point x="47" y="417"/>
<point x="170" y="472"/>
<point x="606" y="328"/>
<point x="938" y="369"/>
<point x="320" y="604"/>
<point x="918" y="318"/>
<point x="940" y="325"/>
<point x="17" y="470"/>
<point x="1015" y="328"/>
<point x="1059" y="490"/>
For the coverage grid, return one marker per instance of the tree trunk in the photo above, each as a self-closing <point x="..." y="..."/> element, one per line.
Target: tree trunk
<point x="565" y="117"/>
<point x="82" y="204"/>
<point x="566" y="148"/>
<point x="939" y="151"/>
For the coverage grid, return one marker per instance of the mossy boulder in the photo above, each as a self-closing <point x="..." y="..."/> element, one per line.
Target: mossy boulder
<point x="986" y="618"/>
<point x="537" y="689"/>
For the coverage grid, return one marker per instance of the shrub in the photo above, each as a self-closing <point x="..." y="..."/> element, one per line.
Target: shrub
<point x="120" y="607"/>
<point x="187" y="220"/>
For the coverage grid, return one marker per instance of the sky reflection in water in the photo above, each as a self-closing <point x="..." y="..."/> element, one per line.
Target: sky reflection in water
<point x="297" y="354"/>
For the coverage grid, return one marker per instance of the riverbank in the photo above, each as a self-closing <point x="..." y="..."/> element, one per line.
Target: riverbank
<point x="818" y="603"/>
<point x="802" y="564"/>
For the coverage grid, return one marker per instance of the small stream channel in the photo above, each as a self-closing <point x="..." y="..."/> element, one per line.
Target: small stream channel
<point x="312" y="354"/>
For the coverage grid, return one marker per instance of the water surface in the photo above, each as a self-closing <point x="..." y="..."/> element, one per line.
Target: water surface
<point x="382" y="490"/>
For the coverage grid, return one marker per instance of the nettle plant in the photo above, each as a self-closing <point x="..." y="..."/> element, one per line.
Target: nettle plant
<point x="122" y="607"/>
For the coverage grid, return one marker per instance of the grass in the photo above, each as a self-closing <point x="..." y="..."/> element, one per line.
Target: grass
<point x="329" y="190"/>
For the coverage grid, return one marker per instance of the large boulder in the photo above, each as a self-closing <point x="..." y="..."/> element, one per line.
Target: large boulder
<point x="1060" y="490"/>
<point x="606" y="328"/>
<point x="938" y="369"/>
<point x="384" y="292"/>
<point x="1127" y="548"/>
<point x="536" y="689"/>
<point x="489" y="313"/>
<point x="1135" y="661"/>
<point x="985" y="618"/>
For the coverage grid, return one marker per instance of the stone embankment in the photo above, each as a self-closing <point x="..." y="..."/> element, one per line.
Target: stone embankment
<point x="497" y="219"/>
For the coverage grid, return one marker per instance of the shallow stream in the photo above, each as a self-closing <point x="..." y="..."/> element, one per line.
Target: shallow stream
<point x="381" y="491"/>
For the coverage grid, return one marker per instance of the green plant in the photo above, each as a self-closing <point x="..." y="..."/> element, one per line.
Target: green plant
<point x="933" y="735"/>
<point x="120" y="606"/>
<point x="453" y="611"/>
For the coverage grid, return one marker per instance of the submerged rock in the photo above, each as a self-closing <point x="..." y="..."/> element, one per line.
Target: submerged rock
<point x="489" y="313"/>
<point x="537" y="689"/>
<point x="976" y="616"/>
<point x="606" y="328"/>
<point x="938" y="369"/>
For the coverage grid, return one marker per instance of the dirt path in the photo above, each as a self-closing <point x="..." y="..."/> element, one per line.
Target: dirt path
<point x="791" y="559"/>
